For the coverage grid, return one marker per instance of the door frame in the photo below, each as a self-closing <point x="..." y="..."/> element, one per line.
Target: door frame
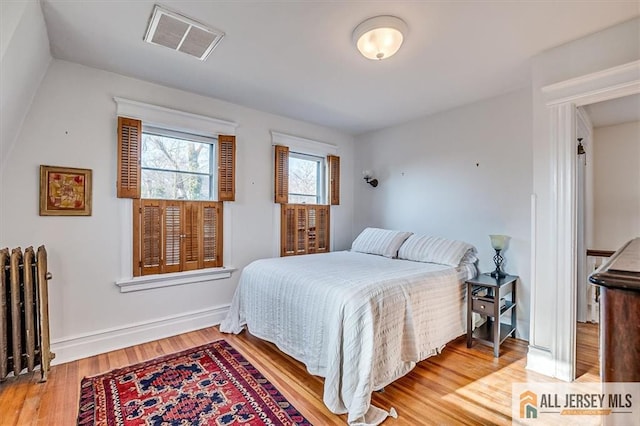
<point x="584" y="129"/>
<point x="562" y="100"/>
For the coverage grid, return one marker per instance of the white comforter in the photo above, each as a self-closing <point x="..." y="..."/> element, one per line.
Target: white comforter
<point x="361" y="321"/>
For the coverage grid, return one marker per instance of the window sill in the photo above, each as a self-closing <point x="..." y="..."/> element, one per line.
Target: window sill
<point x="177" y="278"/>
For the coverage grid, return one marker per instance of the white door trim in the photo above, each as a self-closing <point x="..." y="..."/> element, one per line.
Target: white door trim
<point x="562" y="99"/>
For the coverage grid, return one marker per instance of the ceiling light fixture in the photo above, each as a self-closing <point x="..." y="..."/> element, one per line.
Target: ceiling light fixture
<point x="380" y="37"/>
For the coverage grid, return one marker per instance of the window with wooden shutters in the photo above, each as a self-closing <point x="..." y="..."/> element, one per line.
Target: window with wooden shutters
<point x="174" y="236"/>
<point x="173" y="177"/>
<point x="129" y="150"/>
<point x="166" y="164"/>
<point x="304" y="183"/>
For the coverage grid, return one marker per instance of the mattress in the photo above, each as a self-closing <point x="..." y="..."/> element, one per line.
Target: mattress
<point x="360" y="321"/>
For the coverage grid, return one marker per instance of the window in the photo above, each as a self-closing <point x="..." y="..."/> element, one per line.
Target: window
<point x="173" y="178"/>
<point x="306" y="179"/>
<point x="304" y="185"/>
<point x="177" y="166"/>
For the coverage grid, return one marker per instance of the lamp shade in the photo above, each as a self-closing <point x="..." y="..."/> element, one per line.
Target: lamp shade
<point x="380" y="37"/>
<point x="499" y="242"/>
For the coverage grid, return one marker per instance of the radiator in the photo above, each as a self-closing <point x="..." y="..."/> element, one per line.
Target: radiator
<point x="24" y="312"/>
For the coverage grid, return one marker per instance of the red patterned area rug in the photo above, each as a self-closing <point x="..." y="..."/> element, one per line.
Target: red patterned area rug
<point x="209" y="385"/>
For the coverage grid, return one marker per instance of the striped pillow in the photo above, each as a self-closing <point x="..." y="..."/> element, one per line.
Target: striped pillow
<point x="382" y="242"/>
<point x="422" y="248"/>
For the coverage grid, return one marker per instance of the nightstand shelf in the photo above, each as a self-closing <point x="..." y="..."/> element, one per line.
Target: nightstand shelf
<point x="484" y="333"/>
<point x="484" y="296"/>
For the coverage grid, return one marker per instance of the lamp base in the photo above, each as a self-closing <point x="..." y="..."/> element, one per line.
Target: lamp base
<point x="498" y="259"/>
<point x="498" y="274"/>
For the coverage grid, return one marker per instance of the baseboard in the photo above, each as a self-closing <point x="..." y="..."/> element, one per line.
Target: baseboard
<point x="89" y="344"/>
<point x="541" y="361"/>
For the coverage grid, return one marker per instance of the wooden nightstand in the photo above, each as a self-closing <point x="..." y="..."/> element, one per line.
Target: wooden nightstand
<point x="486" y="296"/>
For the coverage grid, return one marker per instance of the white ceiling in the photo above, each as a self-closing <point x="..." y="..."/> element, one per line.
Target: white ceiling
<point x="615" y="111"/>
<point x="296" y="58"/>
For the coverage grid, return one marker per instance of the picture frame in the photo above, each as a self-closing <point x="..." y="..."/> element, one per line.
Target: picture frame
<point x="65" y="191"/>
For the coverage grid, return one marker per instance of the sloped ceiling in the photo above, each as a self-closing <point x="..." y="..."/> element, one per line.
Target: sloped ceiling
<point x="24" y="58"/>
<point x="297" y="58"/>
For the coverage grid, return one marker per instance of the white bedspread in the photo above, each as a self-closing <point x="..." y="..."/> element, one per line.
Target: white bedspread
<point x="359" y="320"/>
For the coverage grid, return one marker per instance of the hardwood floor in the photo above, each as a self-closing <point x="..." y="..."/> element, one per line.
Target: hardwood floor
<point x="460" y="386"/>
<point x="587" y="351"/>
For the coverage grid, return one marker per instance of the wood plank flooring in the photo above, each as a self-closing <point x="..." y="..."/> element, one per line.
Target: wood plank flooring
<point x="460" y="386"/>
<point x="587" y="351"/>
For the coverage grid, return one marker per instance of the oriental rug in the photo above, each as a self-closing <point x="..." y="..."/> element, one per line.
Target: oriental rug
<point x="208" y="385"/>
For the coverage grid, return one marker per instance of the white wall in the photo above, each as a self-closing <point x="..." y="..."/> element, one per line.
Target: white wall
<point x="617" y="185"/>
<point x="24" y="58"/>
<point x="611" y="47"/>
<point x="461" y="174"/>
<point x="72" y="122"/>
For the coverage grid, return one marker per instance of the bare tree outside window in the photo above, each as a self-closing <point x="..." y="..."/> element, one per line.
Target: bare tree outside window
<point x="305" y="174"/>
<point x="176" y="169"/>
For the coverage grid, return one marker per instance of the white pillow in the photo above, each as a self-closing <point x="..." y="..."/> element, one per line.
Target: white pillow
<point x="382" y="242"/>
<point x="423" y="248"/>
<point x="471" y="256"/>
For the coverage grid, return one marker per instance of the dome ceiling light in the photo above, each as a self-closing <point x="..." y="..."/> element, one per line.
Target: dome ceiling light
<point x="380" y="37"/>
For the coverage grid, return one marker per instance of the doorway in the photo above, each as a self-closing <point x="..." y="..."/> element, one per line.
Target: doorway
<point x="608" y="204"/>
<point x="562" y="100"/>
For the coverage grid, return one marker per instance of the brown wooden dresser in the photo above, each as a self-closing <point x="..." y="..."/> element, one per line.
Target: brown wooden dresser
<point x="619" y="279"/>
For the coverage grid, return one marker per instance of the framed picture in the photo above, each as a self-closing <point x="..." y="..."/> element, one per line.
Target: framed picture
<point x="65" y="191"/>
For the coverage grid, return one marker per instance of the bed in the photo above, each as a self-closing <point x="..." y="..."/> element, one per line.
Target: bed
<point x="361" y="319"/>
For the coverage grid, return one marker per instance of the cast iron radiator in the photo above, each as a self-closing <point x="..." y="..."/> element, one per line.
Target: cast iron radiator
<point x="24" y="312"/>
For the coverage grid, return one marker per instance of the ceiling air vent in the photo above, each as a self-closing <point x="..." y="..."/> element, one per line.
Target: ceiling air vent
<point x="178" y="32"/>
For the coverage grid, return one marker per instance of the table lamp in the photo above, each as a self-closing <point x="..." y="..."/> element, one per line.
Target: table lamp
<point x="499" y="243"/>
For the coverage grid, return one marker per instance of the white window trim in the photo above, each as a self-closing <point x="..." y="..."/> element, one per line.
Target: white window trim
<point x="303" y="145"/>
<point x="173" y="119"/>
<point x="148" y="282"/>
<point x="167" y="118"/>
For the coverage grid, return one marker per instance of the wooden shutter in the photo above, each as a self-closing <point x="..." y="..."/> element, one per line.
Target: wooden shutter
<point x="129" y="153"/>
<point x="322" y="229"/>
<point x="172" y="220"/>
<point x="174" y="236"/>
<point x="147" y="237"/>
<point x="281" y="183"/>
<point x="287" y="229"/>
<point x="302" y="225"/>
<point x="226" y="168"/>
<point x="212" y="234"/>
<point x="311" y="213"/>
<point x="334" y="179"/>
<point x="304" y="229"/>
<point x="192" y="241"/>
